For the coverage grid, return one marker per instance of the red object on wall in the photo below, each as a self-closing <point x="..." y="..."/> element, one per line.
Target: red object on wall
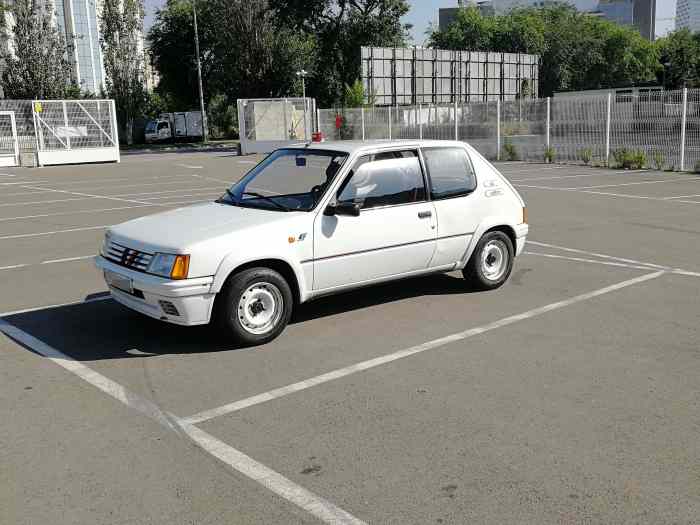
<point x="338" y="121"/>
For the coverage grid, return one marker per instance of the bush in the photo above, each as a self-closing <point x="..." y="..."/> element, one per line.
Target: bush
<point x="630" y="160"/>
<point x="586" y="155"/>
<point x="510" y="151"/>
<point x="658" y="159"/>
<point x="697" y="167"/>
<point x="549" y="154"/>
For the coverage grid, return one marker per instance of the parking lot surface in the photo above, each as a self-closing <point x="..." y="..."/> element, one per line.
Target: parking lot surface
<point x="568" y="396"/>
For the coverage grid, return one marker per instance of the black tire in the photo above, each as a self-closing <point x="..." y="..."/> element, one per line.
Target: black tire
<point x="242" y="301"/>
<point x="484" y="276"/>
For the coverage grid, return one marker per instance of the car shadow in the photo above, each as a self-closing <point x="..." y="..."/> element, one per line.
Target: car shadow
<point x="101" y="329"/>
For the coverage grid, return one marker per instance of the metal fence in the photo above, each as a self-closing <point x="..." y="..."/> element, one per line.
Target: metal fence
<point x="44" y="132"/>
<point x="664" y="126"/>
<point x="267" y="124"/>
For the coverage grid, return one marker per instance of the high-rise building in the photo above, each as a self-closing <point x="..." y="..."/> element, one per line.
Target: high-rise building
<point x="638" y="13"/>
<point x="645" y="18"/>
<point x="78" y="20"/>
<point x="688" y="15"/>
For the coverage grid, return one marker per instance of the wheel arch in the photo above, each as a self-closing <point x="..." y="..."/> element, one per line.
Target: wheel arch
<point x="494" y="224"/>
<point x="281" y="266"/>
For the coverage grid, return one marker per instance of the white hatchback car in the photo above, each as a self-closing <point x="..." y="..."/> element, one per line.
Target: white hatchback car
<point x="315" y="220"/>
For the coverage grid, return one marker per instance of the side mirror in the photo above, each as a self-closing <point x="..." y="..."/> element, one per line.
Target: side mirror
<point x="350" y="209"/>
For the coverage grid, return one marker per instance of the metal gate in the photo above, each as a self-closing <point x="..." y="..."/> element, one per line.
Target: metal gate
<point x="75" y="131"/>
<point x="271" y="123"/>
<point x="9" y="145"/>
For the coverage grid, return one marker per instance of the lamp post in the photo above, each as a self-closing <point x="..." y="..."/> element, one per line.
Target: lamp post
<point x="205" y="126"/>
<point x="302" y="74"/>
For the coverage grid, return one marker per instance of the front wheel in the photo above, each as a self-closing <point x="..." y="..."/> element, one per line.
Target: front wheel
<point x="254" y="306"/>
<point x="491" y="262"/>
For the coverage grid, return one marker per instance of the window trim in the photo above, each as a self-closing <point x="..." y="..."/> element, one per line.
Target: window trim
<point x="351" y="173"/>
<point x="427" y="170"/>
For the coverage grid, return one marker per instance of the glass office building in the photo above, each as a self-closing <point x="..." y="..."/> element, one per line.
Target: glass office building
<point x="78" y="21"/>
<point x="688" y="15"/>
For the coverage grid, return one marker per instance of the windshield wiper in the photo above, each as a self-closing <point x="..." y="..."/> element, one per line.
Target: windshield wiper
<point x="267" y="199"/>
<point x="232" y="196"/>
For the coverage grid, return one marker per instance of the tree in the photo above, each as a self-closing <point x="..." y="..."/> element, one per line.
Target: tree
<point x="35" y="64"/>
<point x="680" y="58"/>
<point x="122" y="25"/>
<point x="340" y="28"/>
<point x="577" y="51"/>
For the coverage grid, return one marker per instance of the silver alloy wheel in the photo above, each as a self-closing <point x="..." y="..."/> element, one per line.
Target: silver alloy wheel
<point x="494" y="260"/>
<point x="260" y="308"/>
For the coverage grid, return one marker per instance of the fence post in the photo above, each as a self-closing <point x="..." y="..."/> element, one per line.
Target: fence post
<point x="684" y="123"/>
<point x="362" y="112"/>
<point x="65" y="123"/>
<point x="318" y="120"/>
<point x="549" y="119"/>
<point x="115" y="128"/>
<point x="389" y="107"/>
<point x="287" y="135"/>
<point x="420" y="121"/>
<point x="37" y="134"/>
<point x="498" y="129"/>
<point x="456" y="123"/>
<point x="607" y="131"/>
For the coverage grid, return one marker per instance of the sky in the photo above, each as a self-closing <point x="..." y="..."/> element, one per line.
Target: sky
<point x="423" y="12"/>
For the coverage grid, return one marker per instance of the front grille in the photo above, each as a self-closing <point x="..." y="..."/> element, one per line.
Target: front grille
<point x="128" y="257"/>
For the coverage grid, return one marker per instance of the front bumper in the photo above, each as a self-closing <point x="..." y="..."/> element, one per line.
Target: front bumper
<point x="188" y="302"/>
<point x="521" y="232"/>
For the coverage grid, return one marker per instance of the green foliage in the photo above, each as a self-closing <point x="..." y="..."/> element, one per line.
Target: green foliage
<point x="549" y="154"/>
<point x="354" y="95"/>
<point x="679" y="54"/>
<point x="38" y="67"/>
<point x="223" y="118"/>
<point x="586" y="155"/>
<point x="510" y="151"/>
<point x="630" y="159"/>
<point x="577" y="51"/>
<point x="658" y="159"/>
<point x="122" y="24"/>
<point x="253" y="48"/>
<point x="697" y="167"/>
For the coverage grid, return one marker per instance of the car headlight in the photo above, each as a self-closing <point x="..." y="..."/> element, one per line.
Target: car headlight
<point x="170" y="266"/>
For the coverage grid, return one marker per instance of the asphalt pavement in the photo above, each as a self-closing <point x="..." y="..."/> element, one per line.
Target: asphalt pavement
<point x="569" y="396"/>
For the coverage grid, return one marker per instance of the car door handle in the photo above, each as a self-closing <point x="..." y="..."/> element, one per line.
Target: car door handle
<point x="425" y="214"/>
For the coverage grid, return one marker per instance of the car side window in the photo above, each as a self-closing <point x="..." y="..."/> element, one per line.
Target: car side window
<point x="378" y="183"/>
<point x="450" y="171"/>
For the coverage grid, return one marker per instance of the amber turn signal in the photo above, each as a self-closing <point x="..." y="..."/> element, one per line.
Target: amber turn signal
<point x="524" y="215"/>
<point x="181" y="267"/>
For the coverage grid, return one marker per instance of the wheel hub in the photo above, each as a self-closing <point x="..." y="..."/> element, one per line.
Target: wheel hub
<point x="260" y="308"/>
<point x="494" y="260"/>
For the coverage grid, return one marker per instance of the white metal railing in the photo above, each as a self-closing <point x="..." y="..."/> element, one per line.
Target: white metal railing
<point x="664" y="126"/>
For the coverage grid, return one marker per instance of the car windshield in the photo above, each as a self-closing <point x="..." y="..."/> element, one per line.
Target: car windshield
<point x="287" y="180"/>
<point x="151" y="126"/>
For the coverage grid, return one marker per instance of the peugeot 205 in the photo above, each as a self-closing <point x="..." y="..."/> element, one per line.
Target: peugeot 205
<point x="315" y="220"/>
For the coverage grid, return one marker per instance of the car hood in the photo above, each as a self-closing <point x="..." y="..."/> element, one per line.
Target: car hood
<point x="177" y="231"/>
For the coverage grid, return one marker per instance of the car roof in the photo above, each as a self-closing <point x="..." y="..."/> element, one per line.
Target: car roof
<point x="353" y="146"/>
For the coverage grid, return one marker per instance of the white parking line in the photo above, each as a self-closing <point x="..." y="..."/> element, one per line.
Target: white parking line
<point x="592" y="261"/>
<point x="606" y="194"/>
<point x="55" y="306"/>
<point x="145" y="196"/>
<point x="583" y="175"/>
<point x="315" y="505"/>
<point x="55" y="232"/>
<point x="54" y="261"/>
<point x="190" y="167"/>
<point x="401" y="354"/>
<point x="80" y="194"/>
<point x="681" y="197"/>
<point x="602" y="186"/>
<point x="116" y="187"/>
<point x="599" y="255"/>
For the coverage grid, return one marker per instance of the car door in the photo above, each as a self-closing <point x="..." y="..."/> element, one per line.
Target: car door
<point x="394" y="233"/>
<point x="459" y="208"/>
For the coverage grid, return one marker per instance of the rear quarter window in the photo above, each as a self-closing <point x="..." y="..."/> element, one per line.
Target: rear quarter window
<point x="450" y="171"/>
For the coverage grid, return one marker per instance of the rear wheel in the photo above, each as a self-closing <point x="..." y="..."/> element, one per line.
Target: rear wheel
<point x="254" y="306"/>
<point x="491" y="262"/>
